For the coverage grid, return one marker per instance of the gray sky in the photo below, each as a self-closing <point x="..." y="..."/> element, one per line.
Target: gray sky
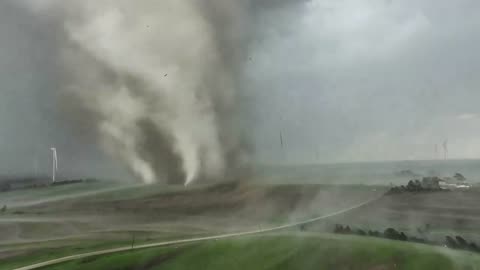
<point x="343" y="80"/>
<point x="370" y="80"/>
<point x="30" y="118"/>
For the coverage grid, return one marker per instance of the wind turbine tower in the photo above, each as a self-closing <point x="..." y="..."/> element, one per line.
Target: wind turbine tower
<point x="445" y="149"/>
<point x="54" y="163"/>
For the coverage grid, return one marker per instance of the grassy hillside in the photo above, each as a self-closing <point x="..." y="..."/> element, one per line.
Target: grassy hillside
<point x="446" y="213"/>
<point x="156" y="211"/>
<point x="286" y="252"/>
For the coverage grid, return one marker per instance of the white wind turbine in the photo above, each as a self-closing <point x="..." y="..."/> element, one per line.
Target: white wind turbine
<point x="54" y="163"/>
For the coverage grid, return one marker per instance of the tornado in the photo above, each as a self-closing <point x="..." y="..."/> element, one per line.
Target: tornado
<point x="157" y="81"/>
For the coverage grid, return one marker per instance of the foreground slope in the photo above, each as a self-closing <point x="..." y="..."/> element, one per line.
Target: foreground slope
<point x="301" y="251"/>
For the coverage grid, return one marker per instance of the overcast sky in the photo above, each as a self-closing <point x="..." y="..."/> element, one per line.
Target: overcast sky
<point x="30" y="118"/>
<point x="370" y="80"/>
<point x="343" y="80"/>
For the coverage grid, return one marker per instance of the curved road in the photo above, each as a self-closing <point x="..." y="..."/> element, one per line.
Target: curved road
<point x="191" y="240"/>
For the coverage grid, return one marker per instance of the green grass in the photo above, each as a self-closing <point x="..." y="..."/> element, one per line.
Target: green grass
<point x="48" y="252"/>
<point x="285" y="252"/>
<point x="32" y="253"/>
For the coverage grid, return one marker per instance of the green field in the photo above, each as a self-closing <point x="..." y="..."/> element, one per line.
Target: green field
<point x="303" y="251"/>
<point x="18" y="255"/>
<point x="63" y="221"/>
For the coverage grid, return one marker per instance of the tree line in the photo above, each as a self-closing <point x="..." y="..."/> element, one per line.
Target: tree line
<point x="456" y="242"/>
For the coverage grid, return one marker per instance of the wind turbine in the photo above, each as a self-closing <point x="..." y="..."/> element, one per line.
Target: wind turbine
<point x="54" y="163"/>
<point x="445" y="149"/>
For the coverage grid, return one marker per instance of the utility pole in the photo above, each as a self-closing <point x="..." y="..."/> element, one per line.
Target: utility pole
<point x="54" y="163"/>
<point x="281" y="139"/>
<point x="133" y="239"/>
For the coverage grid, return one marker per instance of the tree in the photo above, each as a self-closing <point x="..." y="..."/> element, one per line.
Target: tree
<point x="450" y="242"/>
<point x="474" y="247"/>
<point x="391" y="233"/>
<point x="361" y="232"/>
<point x="411" y="185"/>
<point x="5" y="187"/>
<point x="414" y="185"/>
<point x="462" y="243"/>
<point x="4" y="209"/>
<point x="338" y="228"/>
<point x="402" y="237"/>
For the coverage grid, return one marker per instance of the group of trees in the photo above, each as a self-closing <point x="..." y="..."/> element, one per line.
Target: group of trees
<point x="460" y="243"/>
<point x="393" y="234"/>
<point x="389" y="233"/>
<point x="427" y="184"/>
<point x="4" y="187"/>
<point x="456" y="242"/>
